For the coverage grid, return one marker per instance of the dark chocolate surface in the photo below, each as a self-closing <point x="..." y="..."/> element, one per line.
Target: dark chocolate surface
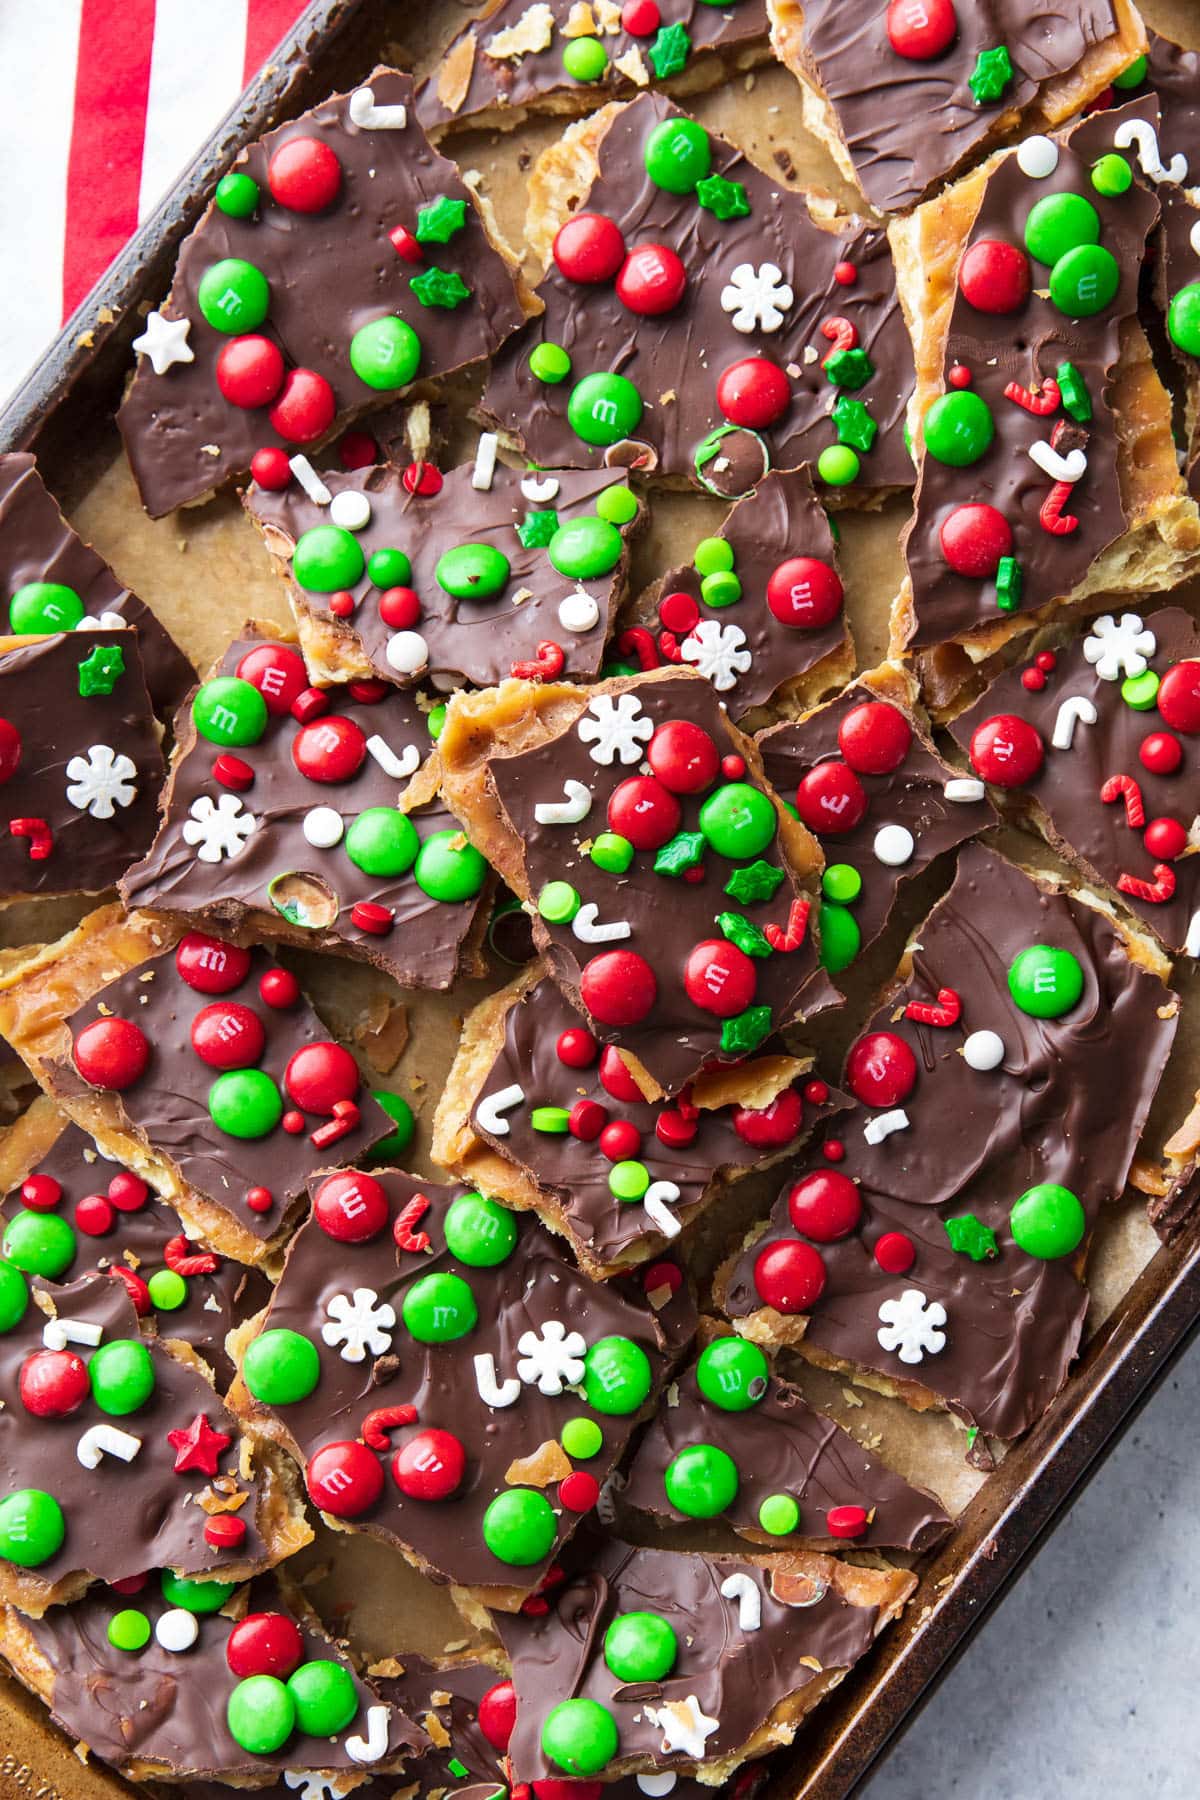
<point x="452" y="1696"/>
<point x="1174" y="76"/>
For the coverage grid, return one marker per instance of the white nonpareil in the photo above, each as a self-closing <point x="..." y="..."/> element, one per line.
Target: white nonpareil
<point x="217" y="830"/>
<point x="359" y="1323"/>
<point x="756" y="298"/>
<point x="983" y="1051"/>
<point x="551" y="1358"/>
<point x="351" y="509"/>
<point x="894" y="846"/>
<point x="910" y="1325"/>
<point x="100" y="781"/>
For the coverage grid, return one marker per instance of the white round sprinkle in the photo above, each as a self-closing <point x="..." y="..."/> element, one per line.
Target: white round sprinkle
<point x="350" y="509"/>
<point x="894" y="845"/>
<point x="658" y="1784"/>
<point x="177" y="1629"/>
<point x="407" y="652"/>
<point x="578" y="612"/>
<point x="323" y="827"/>
<point x="983" y="1050"/>
<point x="1038" y="157"/>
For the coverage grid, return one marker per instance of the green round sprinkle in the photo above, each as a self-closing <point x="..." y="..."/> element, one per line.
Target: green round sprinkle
<point x="229" y="711"/>
<point x="39" y="1243"/>
<point x="838" y="465"/>
<point x="129" y="1629"/>
<point x="382" y="841"/>
<point x="558" y="902"/>
<point x="549" y="363"/>
<point x="678" y="154"/>
<point x="959" y="428"/>
<point x="579" y="1737"/>
<point x="1048" y="1221"/>
<point x="32" y="1527"/>
<point x="553" y="1120"/>
<point x="713" y="556"/>
<point x="168" y="1291"/>
<point x="738" y="820"/>
<point x="721" y="588"/>
<point x="121" y="1375"/>
<point x="603" y="409"/>
<point x="281" y="1367"/>
<point x="778" y="1515"/>
<point x="327" y="559"/>
<point x="448" y="868"/>
<point x="733" y="1374"/>
<point x="582" y="1439"/>
<point x="584" y="549"/>
<point x="1045" y="982"/>
<point x="385" y="354"/>
<point x="617" y="504"/>
<point x="1140" y="691"/>
<point x="841" y="939"/>
<point x="1084" y="281"/>
<point x="435" y="719"/>
<point x="1183" y="319"/>
<point x="260" y="1714"/>
<point x="1134" y="75"/>
<point x="14" y="1296"/>
<point x="403" y="1126"/>
<point x="195" y="1596"/>
<point x="1112" y="175"/>
<point x="44" y="606"/>
<point x="611" y="852"/>
<point x="585" y="59"/>
<point x="237" y="195"/>
<point x="617" y="1375"/>
<point x="701" y="1481"/>
<point x="324" y="1696"/>
<point x="479" y="1232"/>
<point x="438" y="1309"/>
<point x="519" y="1527"/>
<point x="245" y="1103"/>
<point x="628" y="1180"/>
<point x="1058" y="224"/>
<point x="640" y="1646"/>
<point x="389" y="568"/>
<point x="473" y="571"/>
<point x="234" y="296"/>
<point x="841" y="882"/>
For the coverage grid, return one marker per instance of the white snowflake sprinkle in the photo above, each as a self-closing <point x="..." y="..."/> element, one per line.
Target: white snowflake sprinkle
<point x="165" y="342"/>
<point x="311" y="1787"/>
<point x="910" y="1326"/>
<point x="552" y="1358"/>
<point x="359" y="1323"/>
<point x="757" y="298"/>
<point x="717" y="652"/>
<point x="1119" y="650"/>
<point x="684" y="1725"/>
<point x="101" y="780"/>
<point x="219" y="829"/>
<point x="615" y="729"/>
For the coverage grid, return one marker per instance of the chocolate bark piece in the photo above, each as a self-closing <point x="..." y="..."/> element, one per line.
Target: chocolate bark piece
<point x="537" y="774"/>
<point x="1173" y="75"/>
<point x="457" y="639"/>
<point x="969" y="1165"/>
<point x="478" y="1361"/>
<point x="136" y="1490"/>
<point x="783" y="1450"/>
<point x="270" y="858"/>
<point x="131" y="1242"/>
<point x="760" y="285"/>
<point x="759" y="1642"/>
<point x="80" y="763"/>
<point x="862" y="95"/>
<point x="508" y="62"/>
<point x="784" y="637"/>
<point x="37" y="545"/>
<point x="450" y="283"/>
<point x="126" y="967"/>
<point x="913" y="812"/>
<point x="1083" y="735"/>
<point x="529" y="1155"/>
<point x="1097" y="450"/>
<point x="161" y="1713"/>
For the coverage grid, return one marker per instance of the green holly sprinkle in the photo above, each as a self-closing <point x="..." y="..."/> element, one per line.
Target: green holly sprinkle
<point x="669" y="51"/>
<point x="537" y="528"/>
<point x="1077" y="402"/>
<point x="744" y="933"/>
<point x="724" y="199"/>
<point x="757" y="881"/>
<point x="682" y="852"/>
<point x="438" y="222"/>
<point x="971" y="1238"/>
<point x="745" y="1031"/>
<point x="853" y="423"/>
<point x="440" y="287"/>
<point x="849" y="368"/>
<point x="457" y="1769"/>
<point x="992" y="73"/>
<point x="100" y="672"/>
<point x="1009" y="582"/>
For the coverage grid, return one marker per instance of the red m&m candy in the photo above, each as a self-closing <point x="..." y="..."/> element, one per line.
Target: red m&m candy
<point x="1179" y="697"/>
<point x="974" y="538"/>
<point x="305" y="175"/>
<point x="579" y="1491"/>
<point x="265" y="1643"/>
<point x="831" y="799"/>
<point x="112" y="1053"/>
<point x="277" y="672"/>
<point x="770" y="1127"/>
<point x="95" y="1215"/>
<point x="789" y="1275"/>
<point x="430" y="1466"/>
<point x="644" y="810"/>
<point x="1160" y="753"/>
<point x="618" y="987"/>
<point x="874" y="738"/>
<point x="825" y="1206"/>
<point x="1007" y="750"/>
<point x="344" y="1479"/>
<point x="652" y="280"/>
<point x="577" y="1048"/>
<point x="615" y="1078"/>
<point x="995" y="277"/>
<point x="719" y="978"/>
<point x="683" y="756"/>
<point x="209" y="965"/>
<point x="1165" y="839"/>
<point x="53" y="1383"/>
<point x="753" y="392"/>
<point x="330" y="749"/>
<point x="351" y="1208"/>
<point x="640" y="18"/>
<point x="921" y="29"/>
<point x="227" y="1035"/>
<point x="270" y="468"/>
<point x="319" y="1075"/>
<point x="805" y="593"/>
<point x="400" y="607"/>
<point x="895" y="1252"/>
<point x="881" y="1069"/>
<point x="305" y="408"/>
<point x="589" y="248"/>
<point x="587" y="1120"/>
<point x="250" y="370"/>
<point x="128" y="1192"/>
<point x="621" y="1141"/>
<point x="40" y="1192"/>
<point x="498" y="1707"/>
<point x="279" y="988"/>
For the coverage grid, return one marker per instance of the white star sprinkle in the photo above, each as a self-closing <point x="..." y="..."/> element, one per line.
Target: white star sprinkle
<point x="165" y="342"/>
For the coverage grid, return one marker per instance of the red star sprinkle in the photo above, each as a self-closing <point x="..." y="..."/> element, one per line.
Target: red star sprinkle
<point x="199" y="1447"/>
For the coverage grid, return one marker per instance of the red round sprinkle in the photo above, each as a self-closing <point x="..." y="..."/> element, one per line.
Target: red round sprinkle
<point x="974" y="538"/>
<point x="833" y="1150"/>
<point x="770" y="1127"/>
<point x="618" y="987"/>
<point x="825" y="1206"/>
<point x="1179" y="697"/>
<point x="270" y="468"/>
<point x="369" y="692"/>
<point x="805" y="593"/>
<point x="995" y="277"/>
<point x="895" y="1253"/>
<point x="789" y="1275"/>
<point x="259" y="1199"/>
<point x="422" y="478"/>
<point x="753" y="392"/>
<point x="406" y="245"/>
<point x="587" y="1120"/>
<point x="304" y="175"/>
<point x="652" y="280"/>
<point x="351" y="1208"/>
<point x="846" y="1521"/>
<point x="1165" y="839"/>
<point x="662" y="1275"/>
<point x="293" y="1123"/>
<point x="1007" y="750"/>
<point x="10" y="749"/>
<point x="112" y="1053"/>
<point x="1032" y="680"/>
<point x="309" y="704"/>
<point x="129" y="1584"/>
<point x="278" y="988"/>
<point x="921" y="29"/>
<point x="719" y="978"/>
<point x="344" y="1479"/>
<point x="319" y="1075"/>
<point x="874" y="738"/>
<point x="816" y="1092"/>
<point x="640" y="18"/>
<point x="305" y="408"/>
<point x="684" y="757"/>
<point x="210" y="965"/>
<point x="330" y="749"/>
<point x="128" y="1192"/>
<point x="53" y="1383"/>
<point x="250" y="370"/>
<point x="643" y="810"/>
<point x="1046" y="661"/>
<point x="589" y="248"/>
<point x="277" y="672"/>
<point x="227" y="1035"/>
<point x="40" y="1192"/>
<point x="399" y="607"/>
<point x="615" y="1077"/>
<point x="225" y="1531"/>
<point x="831" y="799"/>
<point x="577" y="1047"/>
<point x="430" y="1466"/>
<point x="369" y="915"/>
<point x="960" y="376"/>
<point x="621" y="1141"/>
<point x="678" y="612"/>
<point x="1160" y="753"/>
<point x="498" y="1707"/>
<point x="95" y="1215"/>
<point x="845" y="274"/>
<point x="695" y="875"/>
<point x="265" y="1643"/>
<point x="579" y="1492"/>
<point x="231" y="772"/>
<point x="672" y="1129"/>
<point x="357" y="450"/>
<point x="881" y="1069"/>
<point x="733" y="767"/>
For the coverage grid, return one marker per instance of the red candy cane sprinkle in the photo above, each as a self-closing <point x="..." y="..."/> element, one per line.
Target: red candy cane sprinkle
<point x="407" y="1238"/>
<point x="179" y="1257"/>
<point x="1052" y="518"/>
<point x="792" y="935"/>
<point x="546" y="664"/>
<point x="385" y="1419"/>
<point x="1041" y="402"/>
<point x="1124" y="787"/>
<point x="1156" y="892"/>
<point x="39" y="835"/>
<point x="945" y="1011"/>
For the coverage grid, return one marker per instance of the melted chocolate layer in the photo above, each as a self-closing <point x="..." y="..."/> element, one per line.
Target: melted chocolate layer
<point x="1174" y="76"/>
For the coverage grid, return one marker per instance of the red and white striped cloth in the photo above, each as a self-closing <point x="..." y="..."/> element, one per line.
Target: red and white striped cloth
<point x="102" y="104"/>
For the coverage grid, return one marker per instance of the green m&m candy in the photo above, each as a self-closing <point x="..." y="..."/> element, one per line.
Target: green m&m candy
<point x="1058" y="224"/>
<point x="738" y="820"/>
<point x="260" y="1714"/>
<point x="479" y="1232"/>
<point x="549" y="363"/>
<point x="628" y="1180"/>
<point x="32" y="1527"/>
<point x="129" y="1629"/>
<point x="1183" y="319"/>
<point x="1047" y="1221"/>
<point x="579" y="1737"/>
<point x="121" y="1376"/>
<point x="842" y="883"/>
<point x="403" y="1126"/>
<point x="237" y="195"/>
<point x="617" y="504"/>
<point x="558" y="902"/>
<point x="582" y="1438"/>
<point x="1112" y="175"/>
<point x="195" y="1596"/>
<point x="701" y="1481"/>
<point x="839" y="465"/>
<point x="168" y="1290"/>
<point x="281" y="1367"/>
<point x="733" y="1373"/>
<point x="778" y="1515"/>
<point x="1045" y="982"/>
<point x="437" y="1309"/>
<point x="14" y="1296"/>
<point x="519" y="1527"/>
<point x="448" y="868"/>
<point x="389" y="567"/>
<point x="603" y="409"/>
<point x="616" y="1375"/>
<point x="245" y="1103"/>
<point x="721" y="588"/>
<point x="640" y="1646"/>
<point x="386" y="353"/>
<point x="324" y="1696"/>
<point x="585" y="59"/>
<point x="382" y="841"/>
<point x="39" y="1243"/>
<point x="44" y="606"/>
<point x="1084" y="281"/>
<point x="611" y="852"/>
<point x="1141" y="691"/>
<point x="435" y="718"/>
<point x="234" y="296"/>
<point x="229" y="711"/>
<point x="678" y="154"/>
<point x="473" y="571"/>
<point x="1134" y="75"/>
<point x="584" y="549"/>
<point x="959" y="428"/>
<point x="841" y="939"/>
<point x="327" y="559"/>
<point x="713" y="556"/>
